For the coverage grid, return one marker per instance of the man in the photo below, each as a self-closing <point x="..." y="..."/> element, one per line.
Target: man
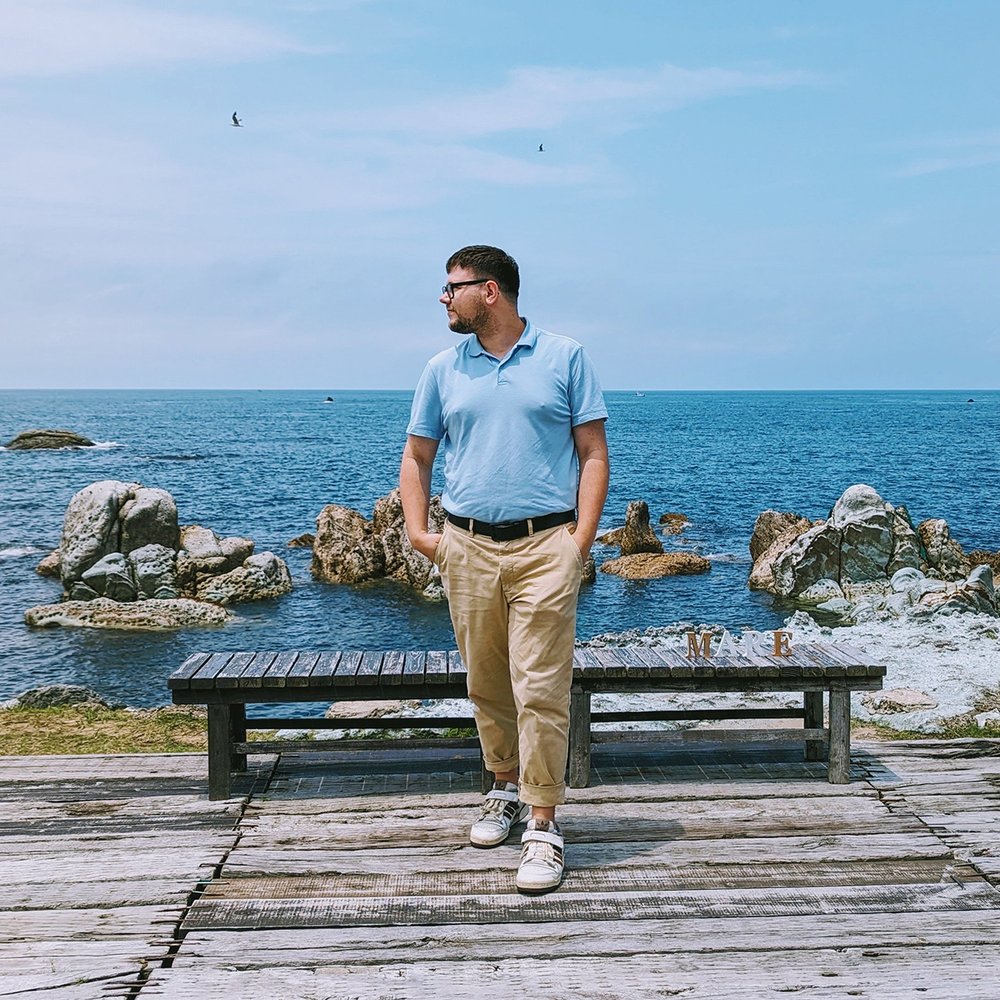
<point x="521" y="417"/>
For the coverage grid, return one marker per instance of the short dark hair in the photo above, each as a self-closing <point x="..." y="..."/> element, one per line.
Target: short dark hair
<point x="489" y="262"/>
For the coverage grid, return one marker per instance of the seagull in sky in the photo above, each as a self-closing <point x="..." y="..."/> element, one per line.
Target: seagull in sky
<point x="540" y="148"/>
<point x="236" y="122"/>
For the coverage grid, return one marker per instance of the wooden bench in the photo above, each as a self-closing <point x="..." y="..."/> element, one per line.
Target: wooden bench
<point x="227" y="682"/>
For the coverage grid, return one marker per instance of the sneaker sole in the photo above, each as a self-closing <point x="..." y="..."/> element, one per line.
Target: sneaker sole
<point x="540" y="890"/>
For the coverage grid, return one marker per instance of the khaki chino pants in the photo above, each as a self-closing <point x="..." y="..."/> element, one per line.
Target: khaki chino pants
<point x="513" y="608"/>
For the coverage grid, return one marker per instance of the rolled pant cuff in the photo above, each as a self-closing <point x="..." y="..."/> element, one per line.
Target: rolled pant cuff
<point x="542" y="795"/>
<point x="509" y="764"/>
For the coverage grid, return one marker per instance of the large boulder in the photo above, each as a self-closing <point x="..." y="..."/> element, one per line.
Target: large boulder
<point x="137" y="616"/>
<point x="121" y="542"/>
<point x="401" y="561"/>
<point x="153" y="568"/>
<point x="28" y="440"/>
<point x="812" y="556"/>
<point x="112" y="577"/>
<point x="864" y="540"/>
<point x="346" y="549"/>
<point x="149" y="518"/>
<point x="260" y="578"/>
<point x="91" y="529"/>
<point x="773" y="532"/>
<point x="637" y="535"/>
<point x="945" y="557"/>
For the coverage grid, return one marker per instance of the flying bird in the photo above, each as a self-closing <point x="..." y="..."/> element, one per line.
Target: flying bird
<point x="540" y="148"/>
<point x="236" y="122"/>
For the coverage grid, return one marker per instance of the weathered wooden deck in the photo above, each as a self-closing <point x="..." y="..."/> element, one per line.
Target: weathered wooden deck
<point x="697" y="870"/>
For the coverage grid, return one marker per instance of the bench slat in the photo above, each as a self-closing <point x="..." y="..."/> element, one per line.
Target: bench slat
<point x="276" y="674"/>
<point x="181" y="677"/>
<point x="252" y="675"/>
<point x="585" y="664"/>
<point x="205" y="676"/>
<point x="368" y="668"/>
<point x="392" y="667"/>
<point x="229" y="675"/>
<point x="456" y="668"/>
<point x="635" y="666"/>
<point x="665" y="662"/>
<point x="322" y="671"/>
<point x="436" y="667"/>
<point x="350" y="660"/>
<point x="413" y="666"/>
<point x="613" y="664"/>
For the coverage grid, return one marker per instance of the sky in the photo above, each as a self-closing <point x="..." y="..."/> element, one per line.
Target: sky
<point x="766" y="195"/>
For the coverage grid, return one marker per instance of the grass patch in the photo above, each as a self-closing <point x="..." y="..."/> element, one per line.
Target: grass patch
<point x="70" y="729"/>
<point x="87" y="729"/>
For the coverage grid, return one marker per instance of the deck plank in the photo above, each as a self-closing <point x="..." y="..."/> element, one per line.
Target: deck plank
<point x="697" y="871"/>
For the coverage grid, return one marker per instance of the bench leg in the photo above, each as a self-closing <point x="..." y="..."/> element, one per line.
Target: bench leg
<point x="219" y="750"/>
<point x="813" y="706"/>
<point x="579" y="738"/>
<point x="238" y="734"/>
<point x="839" y="768"/>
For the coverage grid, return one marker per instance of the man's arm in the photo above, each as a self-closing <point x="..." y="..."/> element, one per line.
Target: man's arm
<point x="592" y="452"/>
<point x="415" y="492"/>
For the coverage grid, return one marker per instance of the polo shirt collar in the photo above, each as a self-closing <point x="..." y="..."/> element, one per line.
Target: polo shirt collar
<point x="528" y="338"/>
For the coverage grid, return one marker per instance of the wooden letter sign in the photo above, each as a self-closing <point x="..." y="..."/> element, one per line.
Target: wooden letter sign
<point x="696" y="652"/>
<point x="781" y="643"/>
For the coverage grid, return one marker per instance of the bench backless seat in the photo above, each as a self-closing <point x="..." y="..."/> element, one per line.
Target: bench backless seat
<point x="227" y="682"/>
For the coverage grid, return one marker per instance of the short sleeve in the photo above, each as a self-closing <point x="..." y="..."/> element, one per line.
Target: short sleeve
<point x="585" y="396"/>
<point x="425" y="413"/>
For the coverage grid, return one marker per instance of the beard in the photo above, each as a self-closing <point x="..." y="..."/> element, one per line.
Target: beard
<point x="470" y="322"/>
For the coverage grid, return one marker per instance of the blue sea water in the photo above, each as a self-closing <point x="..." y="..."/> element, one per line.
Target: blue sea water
<point x="263" y="464"/>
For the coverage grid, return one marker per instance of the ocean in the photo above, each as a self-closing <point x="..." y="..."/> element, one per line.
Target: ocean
<point x="264" y="463"/>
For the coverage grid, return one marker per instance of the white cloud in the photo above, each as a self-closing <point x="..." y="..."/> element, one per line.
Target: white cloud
<point x="63" y="37"/>
<point x="539" y="97"/>
<point x="957" y="152"/>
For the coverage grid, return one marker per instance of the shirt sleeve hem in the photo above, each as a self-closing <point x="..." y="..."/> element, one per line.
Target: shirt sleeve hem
<point x="421" y="430"/>
<point x="583" y="418"/>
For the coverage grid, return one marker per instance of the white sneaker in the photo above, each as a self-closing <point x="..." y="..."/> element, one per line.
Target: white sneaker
<point x="501" y="811"/>
<point x="542" y="862"/>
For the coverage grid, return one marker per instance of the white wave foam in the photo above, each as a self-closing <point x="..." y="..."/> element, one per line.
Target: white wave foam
<point x="728" y="557"/>
<point x="19" y="551"/>
<point x="105" y="445"/>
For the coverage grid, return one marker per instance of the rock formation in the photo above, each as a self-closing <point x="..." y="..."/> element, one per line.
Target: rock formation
<point x="673" y="523"/>
<point x="349" y="548"/>
<point x="650" y="565"/>
<point x="867" y="558"/>
<point x="135" y="616"/>
<point x="642" y="556"/>
<point x="122" y="542"/>
<point x="28" y="440"/>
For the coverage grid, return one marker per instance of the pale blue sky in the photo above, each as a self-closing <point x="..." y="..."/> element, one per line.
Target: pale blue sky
<point x="732" y="195"/>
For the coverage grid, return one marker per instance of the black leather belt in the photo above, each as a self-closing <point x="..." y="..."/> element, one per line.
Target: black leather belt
<point x="507" y="531"/>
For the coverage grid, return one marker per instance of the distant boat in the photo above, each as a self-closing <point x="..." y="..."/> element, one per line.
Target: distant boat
<point x="970" y="400"/>
<point x="640" y="394"/>
<point x="329" y="399"/>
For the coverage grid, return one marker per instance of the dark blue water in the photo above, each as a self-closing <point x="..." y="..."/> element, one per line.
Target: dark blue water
<point x="263" y="464"/>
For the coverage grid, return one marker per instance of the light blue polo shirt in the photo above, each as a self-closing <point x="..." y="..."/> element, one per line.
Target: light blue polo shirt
<point x="506" y="424"/>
